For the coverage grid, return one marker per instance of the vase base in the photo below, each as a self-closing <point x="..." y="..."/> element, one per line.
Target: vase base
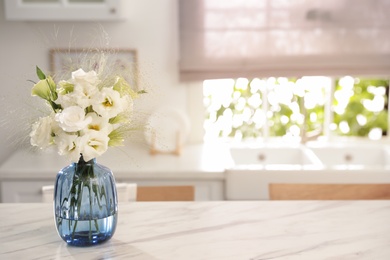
<point x="83" y="240"/>
<point x="86" y="232"/>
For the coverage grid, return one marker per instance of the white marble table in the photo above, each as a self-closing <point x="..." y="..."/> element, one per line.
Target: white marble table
<point x="211" y="230"/>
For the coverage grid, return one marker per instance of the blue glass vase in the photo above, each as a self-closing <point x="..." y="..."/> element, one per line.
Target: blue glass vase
<point x="85" y="203"/>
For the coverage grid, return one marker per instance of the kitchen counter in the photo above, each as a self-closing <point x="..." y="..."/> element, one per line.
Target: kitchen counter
<point x="211" y="230"/>
<point x="133" y="160"/>
<point x="26" y="171"/>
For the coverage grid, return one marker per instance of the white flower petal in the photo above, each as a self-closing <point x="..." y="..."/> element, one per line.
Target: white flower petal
<point x="41" y="133"/>
<point x="108" y="103"/>
<point x="93" y="144"/>
<point x="68" y="145"/>
<point x="72" y="119"/>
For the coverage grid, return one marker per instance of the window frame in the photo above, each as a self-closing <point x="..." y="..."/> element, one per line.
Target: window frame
<point x="327" y="134"/>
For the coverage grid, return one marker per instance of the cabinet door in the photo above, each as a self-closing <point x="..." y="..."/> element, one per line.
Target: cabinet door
<point x="204" y="190"/>
<point x="22" y="191"/>
<point x="63" y="10"/>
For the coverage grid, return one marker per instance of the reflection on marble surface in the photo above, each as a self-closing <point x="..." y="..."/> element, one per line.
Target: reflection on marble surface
<point x="211" y="230"/>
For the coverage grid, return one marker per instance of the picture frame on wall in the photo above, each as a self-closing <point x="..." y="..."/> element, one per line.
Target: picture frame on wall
<point x="121" y="61"/>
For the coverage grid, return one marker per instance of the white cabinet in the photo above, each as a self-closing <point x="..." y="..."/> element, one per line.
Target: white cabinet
<point x="22" y="191"/>
<point x="204" y="189"/>
<point x="22" y="182"/>
<point x="31" y="191"/>
<point x="63" y="10"/>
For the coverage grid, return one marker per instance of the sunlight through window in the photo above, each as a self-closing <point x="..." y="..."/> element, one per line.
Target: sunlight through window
<point x="250" y="109"/>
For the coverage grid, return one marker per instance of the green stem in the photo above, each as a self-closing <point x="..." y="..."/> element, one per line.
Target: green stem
<point x="79" y="199"/>
<point x="90" y="201"/>
<point x="84" y="173"/>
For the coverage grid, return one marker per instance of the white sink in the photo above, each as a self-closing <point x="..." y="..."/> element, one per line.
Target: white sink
<point x="272" y="157"/>
<point x="254" y="169"/>
<point x="353" y="156"/>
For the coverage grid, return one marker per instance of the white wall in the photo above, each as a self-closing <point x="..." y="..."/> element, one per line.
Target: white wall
<point x="151" y="28"/>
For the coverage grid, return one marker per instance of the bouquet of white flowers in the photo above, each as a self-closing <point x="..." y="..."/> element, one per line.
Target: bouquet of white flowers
<point x="89" y="113"/>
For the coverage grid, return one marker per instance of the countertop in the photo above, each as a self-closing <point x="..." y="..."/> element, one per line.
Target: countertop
<point x="211" y="230"/>
<point x="134" y="160"/>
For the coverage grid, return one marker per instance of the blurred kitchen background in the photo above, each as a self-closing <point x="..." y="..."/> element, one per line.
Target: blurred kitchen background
<point x="235" y="72"/>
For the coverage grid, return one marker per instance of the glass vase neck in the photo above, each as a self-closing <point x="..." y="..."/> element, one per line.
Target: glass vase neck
<point x="82" y="162"/>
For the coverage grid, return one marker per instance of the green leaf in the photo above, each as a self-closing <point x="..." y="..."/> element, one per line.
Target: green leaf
<point x="123" y="87"/>
<point x="116" y="137"/>
<point x="121" y="118"/>
<point x="40" y="74"/>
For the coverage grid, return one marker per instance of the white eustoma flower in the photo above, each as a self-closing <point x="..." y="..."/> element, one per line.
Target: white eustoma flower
<point x="84" y="88"/>
<point x="98" y="123"/>
<point x="72" y="119"/>
<point x="42" y="132"/>
<point x="108" y="103"/>
<point x="88" y="114"/>
<point x="68" y="145"/>
<point x="80" y="77"/>
<point x="81" y="96"/>
<point x="67" y="100"/>
<point x="84" y="95"/>
<point x="93" y="144"/>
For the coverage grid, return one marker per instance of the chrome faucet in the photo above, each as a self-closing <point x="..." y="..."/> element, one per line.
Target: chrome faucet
<point x="309" y="136"/>
<point x="305" y="135"/>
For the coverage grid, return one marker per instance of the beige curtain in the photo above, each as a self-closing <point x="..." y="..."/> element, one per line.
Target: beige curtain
<point x="255" y="38"/>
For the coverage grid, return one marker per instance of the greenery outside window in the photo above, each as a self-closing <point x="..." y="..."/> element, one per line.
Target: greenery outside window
<point x="360" y="107"/>
<point x="244" y="109"/>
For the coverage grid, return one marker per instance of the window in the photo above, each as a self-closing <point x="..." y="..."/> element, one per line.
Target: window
<point x="360" y="107"/>
<point x="290" y="108"/>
